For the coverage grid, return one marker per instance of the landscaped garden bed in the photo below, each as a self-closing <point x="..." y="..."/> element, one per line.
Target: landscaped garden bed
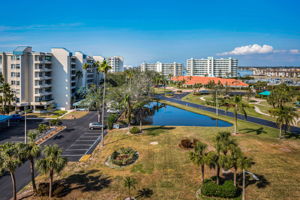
<point x="122" y="157"/>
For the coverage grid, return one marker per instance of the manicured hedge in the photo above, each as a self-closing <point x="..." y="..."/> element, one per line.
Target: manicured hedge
<point x="226" y="190"/>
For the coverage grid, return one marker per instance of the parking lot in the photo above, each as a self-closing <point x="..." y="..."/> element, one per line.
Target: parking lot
<point x="15" y="132"/>
<point x="84" y="144"/>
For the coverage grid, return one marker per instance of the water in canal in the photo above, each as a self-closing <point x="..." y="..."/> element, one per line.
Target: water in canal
<point x="166" y="115"/>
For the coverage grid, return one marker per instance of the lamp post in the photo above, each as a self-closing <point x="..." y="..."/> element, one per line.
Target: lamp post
<point x="25" y="126"/>
<point x="244" y="182"/>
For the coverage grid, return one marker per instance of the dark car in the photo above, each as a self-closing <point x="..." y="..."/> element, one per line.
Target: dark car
<point x="17" y="117"/>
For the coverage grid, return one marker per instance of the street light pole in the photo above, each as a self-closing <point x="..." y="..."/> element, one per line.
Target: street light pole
<point x="243" y="195"/>
<point x="25" y="126"/>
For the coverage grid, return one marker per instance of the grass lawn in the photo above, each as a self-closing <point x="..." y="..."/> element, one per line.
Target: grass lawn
<point x="166" y="169"/>
<point x="250" y="111"/>
<point x="76" y="114"/>
<point x="54" y="114"/>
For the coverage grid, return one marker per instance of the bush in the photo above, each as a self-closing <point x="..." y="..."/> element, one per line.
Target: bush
<point x="111" y="120"/>
<point x="227" y="190"/>
<point x="179" y="91"/>
<point x="124" y="156"/>
<point x="55" y="122"/>
<point x="186" y="143"/>
<point x="134" y="130"/>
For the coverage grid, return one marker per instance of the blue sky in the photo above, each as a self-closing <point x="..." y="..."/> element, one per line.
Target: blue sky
<point x="257" y="32"/>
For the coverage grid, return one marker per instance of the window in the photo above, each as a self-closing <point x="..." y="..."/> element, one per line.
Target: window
<point x="18" y="66"/>
<point x="13" y="66"/>
<point x="18" y="74"/>
<point x="12" y="74"/>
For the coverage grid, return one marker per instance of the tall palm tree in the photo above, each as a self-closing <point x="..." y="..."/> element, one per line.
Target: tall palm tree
<point x="130" y="183"/>
<point x="213" y="161"/>
<point x="104" y="68"/>
<point x="53" y="162"/>
<point x="223" y="142"/>
<point x="239" y="106"/>
<point x="85" y="66"/>
<point x="234" y="159"/>
<point x="198" y="156"/>
<point x="126" y="102"/>
<point x="31" y="151"/>
<point x="11" y="160"/>
<point x="7" y="97"/>
<point x="285" y="116"/>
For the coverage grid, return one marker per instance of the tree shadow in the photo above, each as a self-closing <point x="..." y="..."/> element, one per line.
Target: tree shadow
<point x="123" y="138"/>
<point x="144" y="193"/>
<point x="261" y="183"/>
<point x="85" y="182"/>
<point x="292" y="135"/>
<point x="158" y="128"/>
<point x="253" y="130"/>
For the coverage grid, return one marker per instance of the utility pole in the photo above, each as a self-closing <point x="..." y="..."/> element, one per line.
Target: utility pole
<point x="244" y="177"/>
<point x="25" y="126"/>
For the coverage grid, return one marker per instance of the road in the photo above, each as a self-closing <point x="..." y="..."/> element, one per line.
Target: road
<point x="177" y="99"/>
<point x="76" y="136"/>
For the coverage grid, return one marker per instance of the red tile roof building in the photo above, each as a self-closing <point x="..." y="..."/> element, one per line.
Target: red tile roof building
<point x="191" y="80"/>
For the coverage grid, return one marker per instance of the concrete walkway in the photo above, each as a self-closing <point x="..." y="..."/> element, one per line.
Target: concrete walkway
<point x="177" y="99"/>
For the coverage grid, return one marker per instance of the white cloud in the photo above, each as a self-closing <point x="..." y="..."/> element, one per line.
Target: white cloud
<point x="250" y="49"/>
<point x="257" y="49"/>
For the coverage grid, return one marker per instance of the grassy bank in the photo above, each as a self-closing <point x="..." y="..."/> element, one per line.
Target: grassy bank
<point x="250" y="111"/>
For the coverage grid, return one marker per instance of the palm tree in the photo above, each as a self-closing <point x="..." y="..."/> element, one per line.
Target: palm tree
<point x="93" y="98"/>
<point x="238" y="106"/>
<point x="51" y="163"/>
<point x="126" y="102"/>
<point x="78" y="76"/>
<point x="31" y="151"/>
<point x="235" y="156"/>
<point x="104" y="68"/>
<point x="129" y="183"/>
<point x="7" y="96"/>
<point x="11" y="160"/>
<point x="199" y="157"/>
<point x="213" y="161"/>
<point x="285" y="116"/>
<point x="223" y="142"/>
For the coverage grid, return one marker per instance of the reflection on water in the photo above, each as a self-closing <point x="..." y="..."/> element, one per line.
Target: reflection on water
<point x="166" y="115"/>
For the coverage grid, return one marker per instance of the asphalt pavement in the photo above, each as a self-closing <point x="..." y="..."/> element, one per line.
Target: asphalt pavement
<point x="75" y="141"/>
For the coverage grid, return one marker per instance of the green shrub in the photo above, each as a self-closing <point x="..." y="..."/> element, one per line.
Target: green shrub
<point x="226" y="190"/>
<point x="134" y="130"/>
<point x="111" y="120"/>
<point x="55" y="122"/>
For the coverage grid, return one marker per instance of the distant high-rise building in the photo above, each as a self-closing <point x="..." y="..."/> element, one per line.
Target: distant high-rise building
<point x="222" y="67"/>
<point x="166" y="69"/>
<point x="39" y="79"/>
<point x="116" y="63"/>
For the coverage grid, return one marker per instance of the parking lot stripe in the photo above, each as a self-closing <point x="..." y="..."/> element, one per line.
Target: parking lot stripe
<point x="86" y="140"/>
<point x="81" y="145"/>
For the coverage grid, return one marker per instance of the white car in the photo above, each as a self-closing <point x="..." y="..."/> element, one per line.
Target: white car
<point x="95" y="125"/>
<point x="111" y="110"/>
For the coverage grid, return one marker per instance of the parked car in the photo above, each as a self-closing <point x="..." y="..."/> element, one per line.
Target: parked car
<point x="111" y="110"/>
<point x="95" y="125"/>
<point x="17" y="117"/>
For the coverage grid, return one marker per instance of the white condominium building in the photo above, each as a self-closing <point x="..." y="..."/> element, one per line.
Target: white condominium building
<point x="222" y="67"/>
<point x="39" y="79"/>
<point x="166" y="69"/>
<point x="116" y="63"/>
